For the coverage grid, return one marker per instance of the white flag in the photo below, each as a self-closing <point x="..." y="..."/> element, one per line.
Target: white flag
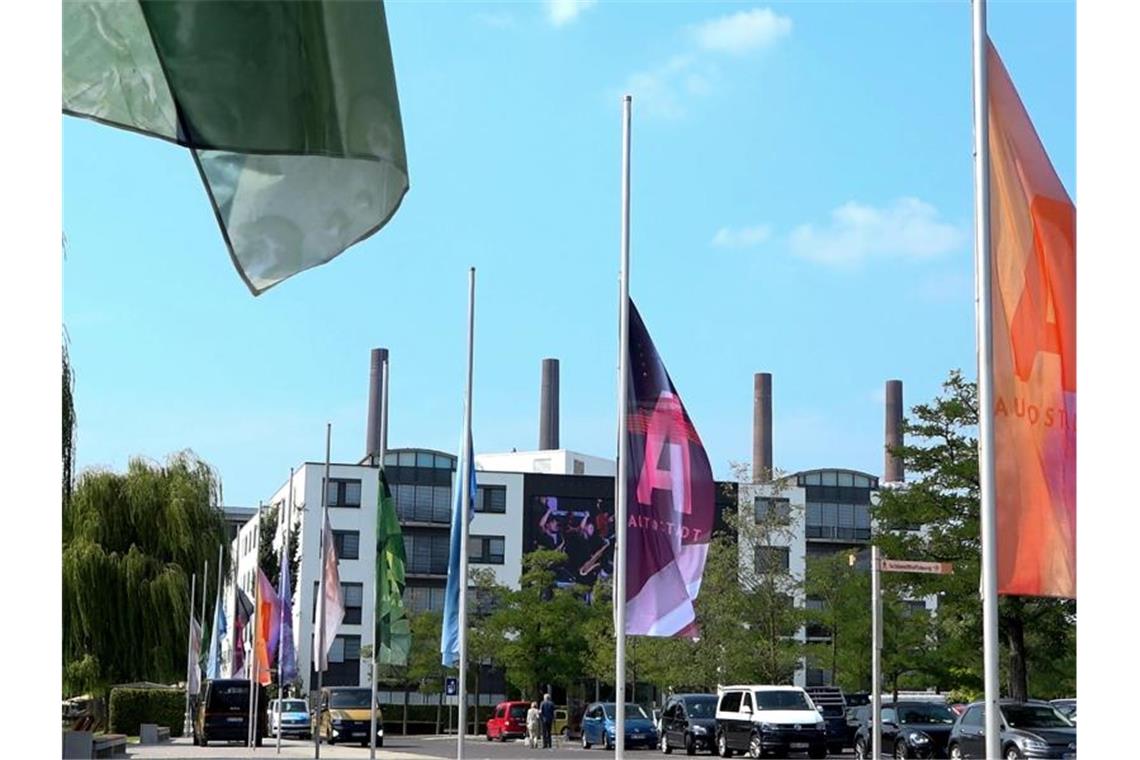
<point x="330" y="607"/>
<point x="193" y="669"/>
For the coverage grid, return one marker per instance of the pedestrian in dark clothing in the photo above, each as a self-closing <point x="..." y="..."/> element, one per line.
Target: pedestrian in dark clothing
<point x="547" y="710"/>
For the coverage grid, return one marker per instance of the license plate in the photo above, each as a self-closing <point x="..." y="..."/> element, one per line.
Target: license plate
<point x="799" y="745"/>
<point x="234" y="720"/>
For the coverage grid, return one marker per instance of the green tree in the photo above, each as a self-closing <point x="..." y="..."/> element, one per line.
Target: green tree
<point x="942" y="498"/>
<point x="267" y="557"/>
<point x="543" y="627"/>
<point x="68" y="425"/>
<point x="425" y="665"/>
<point x="131" y="541"/>
<point x="839" y="602"/>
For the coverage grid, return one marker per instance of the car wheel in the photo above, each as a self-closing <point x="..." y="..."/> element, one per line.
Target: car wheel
<point x="956" y="752"/>
<point x="609" y="745"/>
<point x="722" y="745"/>
<point x="902" y="752"/>
<point x="665" y="744"/>
<point x="585" y="742"/>
<point x="1013" y="753"/>
<point x="690" y="745"/>
<point x="860" y="749"/>
<point x="755" y="746"/>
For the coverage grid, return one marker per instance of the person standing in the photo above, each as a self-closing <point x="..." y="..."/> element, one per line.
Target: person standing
<point x="533" y="726"/>
<point x="547" y="711"/>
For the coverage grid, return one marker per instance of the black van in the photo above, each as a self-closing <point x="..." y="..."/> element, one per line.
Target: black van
<point x="222" y="712"/>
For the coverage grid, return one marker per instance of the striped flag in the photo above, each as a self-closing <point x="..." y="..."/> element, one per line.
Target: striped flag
<point x="330" y="607"/>
<point x="268" y="629"/>
<point x="449" y="634"/>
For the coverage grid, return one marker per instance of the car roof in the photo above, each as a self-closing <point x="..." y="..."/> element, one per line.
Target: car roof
<point x="914" y="703"/>
<point x="762" y="687"/>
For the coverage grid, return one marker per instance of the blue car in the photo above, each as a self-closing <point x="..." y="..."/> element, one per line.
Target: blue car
<point x="598" y="726"/>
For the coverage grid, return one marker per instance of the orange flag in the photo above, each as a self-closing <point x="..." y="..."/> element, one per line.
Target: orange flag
<point x="267" y="631"/>
<point x="1034" y="317"/>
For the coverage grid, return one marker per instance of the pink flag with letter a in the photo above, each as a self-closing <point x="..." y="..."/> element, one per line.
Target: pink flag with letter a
<point x="671" y="497"/>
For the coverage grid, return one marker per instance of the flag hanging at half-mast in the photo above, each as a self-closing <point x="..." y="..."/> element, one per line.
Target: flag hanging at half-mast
<point x="193" y="667"/>
<point x="268" y="629"/>
<point x="289" y="110"/>
<point x="1034" y="317"/>
<point x="671" y="494"/>
<point x="393" y="632"/>
<point x="243" y="613"/>
<point x="214" y="658"/>
<point x="330" y="605"/>
<point x="449" y="633"/>
<point x="286" y="648"/>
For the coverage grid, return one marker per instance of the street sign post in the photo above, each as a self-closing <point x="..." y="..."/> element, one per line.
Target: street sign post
<point x="880" y="565"/>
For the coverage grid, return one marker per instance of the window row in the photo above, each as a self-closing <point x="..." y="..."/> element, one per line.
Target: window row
<point x="845" y="494"/>
<point x="341" y="492"/>
<point x="836" y="478"/>
<point x="353" y="595"/>
<point x="419" y="459"/>
<point x="418" y="503"/>
<point x="841" y="515"/>
<point x="427" y="552"/>
<point x="423" y="598"/>
<point x="840" y="534"/>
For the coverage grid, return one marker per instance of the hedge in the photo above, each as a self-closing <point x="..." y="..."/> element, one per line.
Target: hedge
<point x="132" y="707"/>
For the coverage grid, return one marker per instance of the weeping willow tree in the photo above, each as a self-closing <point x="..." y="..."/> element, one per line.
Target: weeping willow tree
<point x="131" y="542"/>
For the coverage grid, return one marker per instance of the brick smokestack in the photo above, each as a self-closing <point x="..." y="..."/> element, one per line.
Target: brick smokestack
<point x="762" y="427"/>
<point x="375" y="399"/>
<point x="548" y="406"/>
<point x="892" y="465"/>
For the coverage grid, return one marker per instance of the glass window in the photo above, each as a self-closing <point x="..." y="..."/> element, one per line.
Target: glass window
<point x="973" y="717"/>
<point x="353" y="602"/>
<point x="812" y="479"/>
<point x="391" y="458"/>
<point x="829" y="478"/>
<point x="407" y="459"/>
<point x="444" y="462"/>
<point x="862" y="516"/>
<point x="352" y="648"/>
<point x="861" y="481"/>
<point x="846" y="515"/>
<point x="336" y="652"/>
<point x="771" y="559"/>
<point x="491" y="499"/>
<point x="782" y="699"/>
<point x="846" y="479"/>
<point x="486" y="550"/>
<point x="830" y="514"/>
<point x="772" y="511"/>
<point x="814" y="514"/>
<point x="730" y="702"/>
<point x="746" y="701"/>
<point x="424" y="459"/>
<point x="347" y="544"/>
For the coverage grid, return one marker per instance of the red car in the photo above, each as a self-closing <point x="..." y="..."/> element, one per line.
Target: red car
<point x="508" y="722"/>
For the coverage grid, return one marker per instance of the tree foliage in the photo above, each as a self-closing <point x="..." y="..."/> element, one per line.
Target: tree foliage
<point x="942" y="498"/>
<point x="131" y="542"/>
<point x="267" y="557"/>
<point x="68" y="424"/>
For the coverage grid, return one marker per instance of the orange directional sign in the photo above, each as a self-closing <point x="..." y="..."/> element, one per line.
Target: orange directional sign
<point x="913" y="566"/>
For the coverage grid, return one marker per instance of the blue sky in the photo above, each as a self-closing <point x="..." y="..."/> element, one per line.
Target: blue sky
<point x="802" y="205"/>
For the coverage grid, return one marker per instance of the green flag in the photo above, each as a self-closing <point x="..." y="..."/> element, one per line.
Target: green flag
<point x="288" y="107"/>
<point x="393" y="632"/>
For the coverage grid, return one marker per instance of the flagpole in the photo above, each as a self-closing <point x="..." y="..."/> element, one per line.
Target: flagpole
<point x="280" y="642"/>
<point x="321" y="588"/>
<point x="188" y="726"/>
<point x="252" y="654"/>
<point x="375" y="580"/>
<point x="465" y="500"/>
<point x="623" y="441"/>
<point x="983" y="273"/>
<point x="218" y="608"/>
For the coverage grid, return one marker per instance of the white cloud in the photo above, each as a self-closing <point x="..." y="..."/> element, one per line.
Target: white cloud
<point x="908" y="228"/>
<point x="743" y="237"/>
<point x="561" y="12"/>
<point x="742" y="32"/>
<point x="661" y="91"/>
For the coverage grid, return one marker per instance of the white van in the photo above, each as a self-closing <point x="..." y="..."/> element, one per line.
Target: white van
<point x="759" y="720"/>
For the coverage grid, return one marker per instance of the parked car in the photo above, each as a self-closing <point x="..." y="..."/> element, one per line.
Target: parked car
<point x="561" y="721"/>
<point x="598" y="726"/>
<point x="345" y="716"/>
<point x="909" y="729"/>
<point x="1028" y="730"/>
<point x="855" y="718"/>
<point x="508" y="721"/>
<point x="857" y="698"/>
<point x="958" y="708"/>
<point x="222" y="712"/>
<point x="295" y="718"/>
<point x="763" y="719"/>
<point x="688" y="722"/>
<point x="832" y="706"/>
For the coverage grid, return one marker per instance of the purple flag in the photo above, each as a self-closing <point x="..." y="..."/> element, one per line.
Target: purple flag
<point x="671" y="497"/>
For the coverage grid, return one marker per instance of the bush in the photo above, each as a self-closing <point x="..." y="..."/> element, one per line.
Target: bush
<point x="131" y="707"/>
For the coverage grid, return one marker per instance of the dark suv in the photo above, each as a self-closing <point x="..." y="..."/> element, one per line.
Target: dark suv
<point x="1028" y="730"/>
<point x="910" y="729"/>
<point x="833" y="707"/>
<point x="689" y="721"/>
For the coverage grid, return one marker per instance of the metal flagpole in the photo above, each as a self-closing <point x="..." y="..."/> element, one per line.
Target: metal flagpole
<point x="252" y="654"/>
<point x="465" y="500"/>
<point x="376" y="589"/>
<point x="287" y="523"/>
<point x="985" y="381"/>
<point x="321" y="588"/>
<point x="876" y="654"/>
<point x="623" y="442"/>
<point x="188" y="725"/>
<point x="205" y="585"/>
<point x="218" y="604"/>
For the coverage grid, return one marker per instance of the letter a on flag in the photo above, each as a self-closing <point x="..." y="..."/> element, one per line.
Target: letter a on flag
<point x="671" y="498"/>
<point x="1034" y="317"/>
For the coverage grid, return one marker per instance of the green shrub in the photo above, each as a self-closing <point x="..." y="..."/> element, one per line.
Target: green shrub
<point x="130" y="708"/>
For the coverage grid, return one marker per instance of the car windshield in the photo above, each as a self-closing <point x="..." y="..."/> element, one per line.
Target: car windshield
<point x="940" y="714"/>
<point x="631" y="711"/>
<point x="293" y="705"/>
<point x="1034" y="716"/>
<point x="701" y="708"/>
<point x="229" y="696"/>
<point x="518" y="712"/>
<point x="349" y="699"/>
<point x="782" y="699"/>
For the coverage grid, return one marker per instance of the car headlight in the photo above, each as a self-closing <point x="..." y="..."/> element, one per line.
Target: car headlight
<point x="700" y="730"/>
<point x="821" y="726"/>
<point x="918" y="737"/>
<point x="1034" y="744"/>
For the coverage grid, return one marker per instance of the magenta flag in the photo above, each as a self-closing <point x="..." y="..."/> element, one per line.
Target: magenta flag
<point x="671" y="498"/>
